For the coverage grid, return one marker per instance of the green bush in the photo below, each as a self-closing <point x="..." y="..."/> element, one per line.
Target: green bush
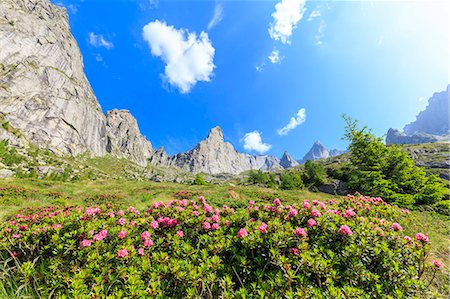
<point x="291" y="180"/>
<point x="314" y="174"/>
<point x="387" y="171"/>
<point x="199" y="180"/>
<point x="259" y="177"/>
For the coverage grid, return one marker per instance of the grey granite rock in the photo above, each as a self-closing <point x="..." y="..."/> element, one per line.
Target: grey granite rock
<point x="287" y="161"/>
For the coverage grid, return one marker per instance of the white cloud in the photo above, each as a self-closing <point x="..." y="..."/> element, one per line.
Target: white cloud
<point x="217" y="16"/>
<point x="274" y="56"/>
<point x="286" y="16"/>
<point x="293" y="122"/>
<point x="153" y="3"/>
<point x="99" y="41"/>
<point x="99" y="58"/>
<point x="253" y="142"/>
<point x="188" y="57"/>
<point x="320" y="33"/>
<point x="314" y="14"/>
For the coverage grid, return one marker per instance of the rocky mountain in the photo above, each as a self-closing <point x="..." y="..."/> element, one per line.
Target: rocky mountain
<point x="215" y="156"/>
<point x="395" y="136"/>
<point x="318" y="151"/>
<point x="43" y="89"/>
<point x="434" y="119"/>
<point x="45" y="97"/>
<point x="125" y="139"/>
<point x="287" y="161"/>
<point x="431" y="125"/>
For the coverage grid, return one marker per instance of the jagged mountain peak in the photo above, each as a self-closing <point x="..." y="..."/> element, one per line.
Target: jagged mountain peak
<point x="215" y="133"/>
<point x="287" y="161"/>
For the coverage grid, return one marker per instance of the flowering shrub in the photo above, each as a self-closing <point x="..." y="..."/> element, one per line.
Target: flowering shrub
<point x="190" y="249"/>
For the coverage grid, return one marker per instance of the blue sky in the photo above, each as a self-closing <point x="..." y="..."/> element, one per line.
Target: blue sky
<point x="199" y="64"/>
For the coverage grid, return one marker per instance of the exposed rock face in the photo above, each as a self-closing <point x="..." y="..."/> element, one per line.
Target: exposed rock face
<point x="434" y="119"/>
<point x="336" y="152"/>
<point x="161" y="158"/>
<point x="124" y="137"/>
<point x="317" y="151"/>
<point x="287" y="161"/>
<point x="43" y="90"/>
<point x="215" y="156"/>
<point x="395" y="136"/>
<point x="212" y="155"/>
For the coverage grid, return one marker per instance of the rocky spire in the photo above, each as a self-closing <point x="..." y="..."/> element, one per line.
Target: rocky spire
<point x="287" y="161"/>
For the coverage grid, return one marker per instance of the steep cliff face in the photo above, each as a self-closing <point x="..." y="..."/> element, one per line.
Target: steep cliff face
<point x="212" y="155"/>
<point x="434" y="119"/>
<point x="287" y="161"/>
<point x="125" y="139"/>
<point x="397" y="137"/>
<point x="43" y="90"/>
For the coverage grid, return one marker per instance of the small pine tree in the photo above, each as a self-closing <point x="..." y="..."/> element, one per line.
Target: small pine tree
<point x="199" y="180"/>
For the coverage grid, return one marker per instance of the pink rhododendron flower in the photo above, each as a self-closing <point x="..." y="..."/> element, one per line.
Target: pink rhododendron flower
<point x="306" y="204"/>
<point x="207" y="208"/>
<point x="349" y="213"/>
<point x="316" y="213"/>
<point x="311" y="222"/>
<point x="141" y="251"/>
<point x="121" y="221"/>
<point x="122" y="234"/>
<point x="300" y="232"/>
<point x="101" y="235"/>
<point x="277" y="202"/>
<point x="407" y="238"/>
<point x="227" y="223"/>
<point x="111" y="214"/>
<point x="148" y="243"/>
<point x="56" y="226"/>
<point x="396" y="226"/>
<point x="145" y="235"/>
<point x="345" y="230"/>
<point x="322" y="205"/>
<point x="16" y="236"/>
<point x="206" y="225"/>
<point x="263" y="228"/>
<point x="120" y="213"/>
<point x="215" y="226"/>
<point x="242" y="233"/>
<point x="85" y="243"/>
<point x="195" y="213"/>
<point x="215" y="218"/>
<point x="180" y="234"/>
<point x="293" y="212"/>
<point x="122" y="253"/>
<point x="133" y="223"/>
<point x="437" y="264"/>
<point x="422" y="237"/>
<point x="252" y="202"/>
<point x="154" y="224"/>
<point x="294" y="251"/>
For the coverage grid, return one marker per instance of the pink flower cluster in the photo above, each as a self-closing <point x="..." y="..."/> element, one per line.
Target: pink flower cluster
<point x="396" y="226"/>
<point x="242" y="233"/>
<point x="85" y="243"/>
<point x="101" y="235"/>
<point x="345" y="230"/>
<point x="122" y="253"/>
<point x="300" y="232"/>
<point x="263" y="228"/>
<point x="92" y="211"/>
<point x="422" y="237"/>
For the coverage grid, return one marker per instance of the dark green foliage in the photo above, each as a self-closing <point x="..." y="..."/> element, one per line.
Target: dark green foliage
<point x="291" y="180"/>
<point x="199" y="180"/>
<point x="387" y="171"/>
<point x="314" y="174"/>
<point x="258" y="177"/>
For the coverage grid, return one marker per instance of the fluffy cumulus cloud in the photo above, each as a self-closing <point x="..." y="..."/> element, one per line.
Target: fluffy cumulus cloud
<point x="217" y="16"/>
<point x="97" y="40"/>
<point x="285" y="18"/>
<point x="293" y="122"/>
<point x="188" y="57"/>
<point x="253" y="142"/>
